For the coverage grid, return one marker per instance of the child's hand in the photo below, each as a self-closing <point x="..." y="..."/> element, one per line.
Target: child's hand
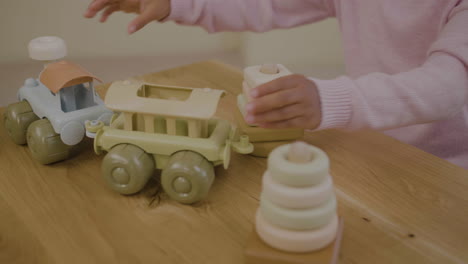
<point x="287" y="102"/>
<point x="147" y="10"/>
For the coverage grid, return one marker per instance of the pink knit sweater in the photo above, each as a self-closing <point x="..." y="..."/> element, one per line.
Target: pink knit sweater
<point x="406" y="62"/>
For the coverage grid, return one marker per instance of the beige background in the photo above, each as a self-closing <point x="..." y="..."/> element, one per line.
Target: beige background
<point x="108" y="51"/>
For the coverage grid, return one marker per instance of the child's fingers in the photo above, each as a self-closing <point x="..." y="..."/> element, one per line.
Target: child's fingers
<point x="282" y="83"/>
<point x="95" y="7"/>
<point x="297" y="122"/>
<point x="274" y="101"/>
<point x="142" y="20"/>
<point x="281" y="114"/>
<point x="109" y="10"/>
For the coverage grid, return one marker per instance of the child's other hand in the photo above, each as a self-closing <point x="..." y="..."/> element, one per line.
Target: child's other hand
<point x="288" y="102"/>
<point x="147" y="10"/>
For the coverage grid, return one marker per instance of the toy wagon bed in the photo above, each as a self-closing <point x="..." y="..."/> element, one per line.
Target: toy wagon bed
<point x="168" y="128"/>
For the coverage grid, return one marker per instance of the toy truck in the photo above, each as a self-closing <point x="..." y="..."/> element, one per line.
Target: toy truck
<point x="53" y="108"/>
<point x="168" y="128"/>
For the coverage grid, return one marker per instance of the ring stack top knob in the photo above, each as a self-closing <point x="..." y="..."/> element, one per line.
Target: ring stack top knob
<point x="299" y="153"/>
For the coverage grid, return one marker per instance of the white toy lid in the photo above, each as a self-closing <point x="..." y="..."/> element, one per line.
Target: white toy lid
<point x="47" y="48"/>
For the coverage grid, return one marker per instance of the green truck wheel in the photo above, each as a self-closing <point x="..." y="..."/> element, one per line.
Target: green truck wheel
<point x="45" y="144"/>
<point x="17" y="118"/>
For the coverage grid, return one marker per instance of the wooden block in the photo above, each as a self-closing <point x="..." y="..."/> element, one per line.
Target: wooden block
<point x="260" y="74"/>
<point x="246" y="91"/>
<point x="257" y="252"/>
<point x="269" y="69"/>
<point x="258" y="134"/>
<point x="263" y="149"/>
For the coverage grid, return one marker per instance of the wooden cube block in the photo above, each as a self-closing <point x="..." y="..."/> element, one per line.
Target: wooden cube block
<point x="255" y="76"/>
<point x="257" y="252"/>
<point x="263" y="149"/>
<point x="258" y="134"/>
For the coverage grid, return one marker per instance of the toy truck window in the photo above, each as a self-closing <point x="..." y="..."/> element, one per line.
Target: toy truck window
<point x="77" y="97"/>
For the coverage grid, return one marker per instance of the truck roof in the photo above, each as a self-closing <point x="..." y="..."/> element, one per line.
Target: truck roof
<point x="58" y="75"/>
<point x="163" y="100"/>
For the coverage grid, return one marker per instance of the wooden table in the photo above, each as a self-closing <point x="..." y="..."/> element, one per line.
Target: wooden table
<point x="400" y="204"/>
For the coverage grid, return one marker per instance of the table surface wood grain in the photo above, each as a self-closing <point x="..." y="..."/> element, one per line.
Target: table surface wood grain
<point x="400" y="204"/>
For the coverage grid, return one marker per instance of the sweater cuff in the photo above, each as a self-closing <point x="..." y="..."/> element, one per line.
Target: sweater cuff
<point x="335" y="99"/>
<point x="180" y="9"/>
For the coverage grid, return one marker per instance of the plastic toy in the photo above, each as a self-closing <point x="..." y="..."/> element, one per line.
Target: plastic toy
<point x="262" y="138"/>
<point x="168" y="128"/>
<point x="263" y="149"/>
<point x="297" y="212"/>
<point x="52" y="109"/>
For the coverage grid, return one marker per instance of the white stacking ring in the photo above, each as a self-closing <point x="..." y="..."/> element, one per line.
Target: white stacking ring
<point x="296" y="241"/>
<point x="286" y="172"/>
<point x="298" y="219"/>
<point x="297" y="197"/>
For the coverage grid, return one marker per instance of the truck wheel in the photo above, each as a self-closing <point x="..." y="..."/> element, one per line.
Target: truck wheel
<point x="17" y="118"/>
<point x="187" y="177"/>
<point x="127" y="168"/>
<point x="45" y="145"/>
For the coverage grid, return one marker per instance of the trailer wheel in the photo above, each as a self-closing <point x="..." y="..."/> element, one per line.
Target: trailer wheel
<point x="187" y="177"/>
<point x="127" y="168"/>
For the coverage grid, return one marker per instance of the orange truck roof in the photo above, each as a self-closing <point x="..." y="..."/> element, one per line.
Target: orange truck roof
<point x="63" y="74"/>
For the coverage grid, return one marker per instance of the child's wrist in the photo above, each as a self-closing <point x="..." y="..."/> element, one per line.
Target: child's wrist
<point x="166" y="12"/>
<point x="335" y="102"/>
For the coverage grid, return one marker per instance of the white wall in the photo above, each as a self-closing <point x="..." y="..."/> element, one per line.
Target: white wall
<point x="314" y="49"/>
<point x="311" y="49"/>
<point x="23" y="20"/>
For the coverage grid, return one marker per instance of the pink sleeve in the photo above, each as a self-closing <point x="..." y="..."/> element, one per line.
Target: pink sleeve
<point x="436" y="90"/>
<point x="253" y="15"/>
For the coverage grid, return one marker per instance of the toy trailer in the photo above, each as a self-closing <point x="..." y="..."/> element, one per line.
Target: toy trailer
<point x="52" y="110"/>
<point x="168" y="128"/>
